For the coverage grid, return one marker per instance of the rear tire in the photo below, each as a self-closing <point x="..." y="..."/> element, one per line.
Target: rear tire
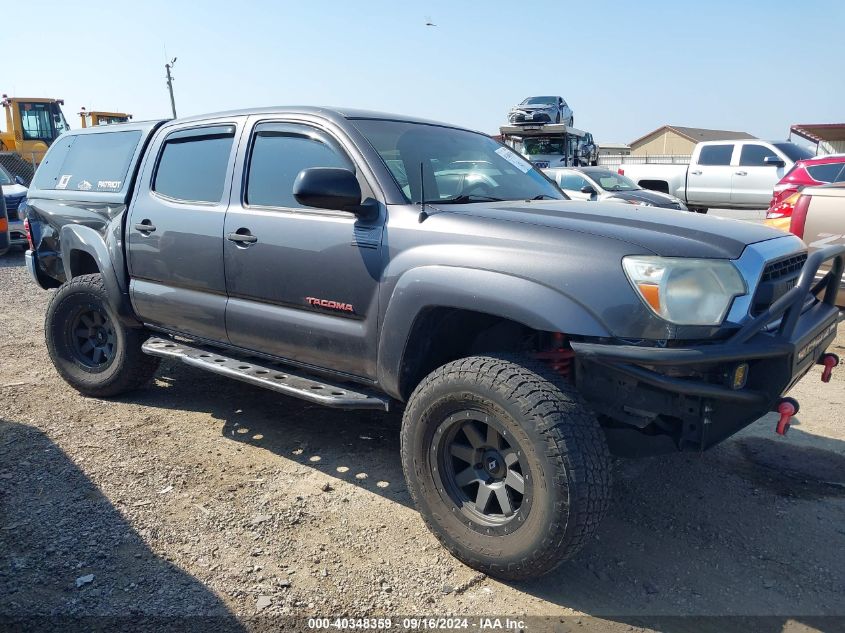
<point x="91" y="349"/>
<point x="507" y="465"/>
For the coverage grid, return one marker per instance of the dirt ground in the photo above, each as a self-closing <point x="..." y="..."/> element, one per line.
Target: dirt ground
<point x="201" y="496"/>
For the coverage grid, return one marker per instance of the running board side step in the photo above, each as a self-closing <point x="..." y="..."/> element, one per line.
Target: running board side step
<point x="265" y="374"/>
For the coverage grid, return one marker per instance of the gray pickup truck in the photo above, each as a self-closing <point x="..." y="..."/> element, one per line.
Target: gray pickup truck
<point x="363" y="260"/>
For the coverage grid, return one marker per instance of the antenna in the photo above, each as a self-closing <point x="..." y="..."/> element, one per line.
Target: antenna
<point x="423" y="213"/>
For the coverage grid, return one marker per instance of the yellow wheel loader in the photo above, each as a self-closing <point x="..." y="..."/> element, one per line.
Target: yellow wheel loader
<point x="31" y="127"/>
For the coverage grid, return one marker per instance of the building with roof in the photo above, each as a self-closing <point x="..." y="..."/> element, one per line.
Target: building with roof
<point x="677" y="140"/>
<point x="829" y="138"/>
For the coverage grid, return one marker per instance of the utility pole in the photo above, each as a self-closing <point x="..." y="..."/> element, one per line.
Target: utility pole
<point x="170" y="85"/>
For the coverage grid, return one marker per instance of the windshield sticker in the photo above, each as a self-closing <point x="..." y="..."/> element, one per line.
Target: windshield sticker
<point x="111" y="185"/>
<point x="514" y="159"/>
<point x="84" y="186"/>
<point x="63" y="181"/>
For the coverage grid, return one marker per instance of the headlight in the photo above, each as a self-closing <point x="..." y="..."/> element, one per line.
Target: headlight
<point x="685" y="291"/>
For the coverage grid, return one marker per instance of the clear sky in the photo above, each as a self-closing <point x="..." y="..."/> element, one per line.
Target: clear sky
<point x="624" y="67"/>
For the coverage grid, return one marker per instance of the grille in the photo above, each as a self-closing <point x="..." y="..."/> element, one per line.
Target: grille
<point x="783" y="267"/>
<point x="12" y="204"/>
<point x="778" y="278"/>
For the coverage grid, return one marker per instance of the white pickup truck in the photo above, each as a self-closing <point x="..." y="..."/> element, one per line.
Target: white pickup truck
<point x="722" y="174"/>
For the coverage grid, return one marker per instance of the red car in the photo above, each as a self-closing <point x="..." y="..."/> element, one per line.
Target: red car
<point x="804" y="173"/>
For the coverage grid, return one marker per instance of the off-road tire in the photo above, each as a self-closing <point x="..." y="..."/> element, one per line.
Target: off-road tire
<point x="563" y="444"/>
<point x="128" y="369"/>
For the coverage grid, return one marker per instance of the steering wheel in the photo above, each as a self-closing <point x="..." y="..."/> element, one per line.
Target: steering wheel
<point x="478" y="181"/>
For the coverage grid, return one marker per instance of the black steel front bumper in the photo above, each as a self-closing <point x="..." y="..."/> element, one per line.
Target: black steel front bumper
<point x="684" y="397"/>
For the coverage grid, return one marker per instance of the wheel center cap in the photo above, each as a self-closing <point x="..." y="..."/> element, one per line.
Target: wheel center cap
<point x="493" y="464"/>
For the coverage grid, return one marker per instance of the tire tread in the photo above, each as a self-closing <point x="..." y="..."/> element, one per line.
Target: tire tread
<point x="571" y="436"/>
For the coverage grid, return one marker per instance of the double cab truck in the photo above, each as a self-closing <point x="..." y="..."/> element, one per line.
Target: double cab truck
<point x="373" y="261"/>
<point x="722" y="174"/>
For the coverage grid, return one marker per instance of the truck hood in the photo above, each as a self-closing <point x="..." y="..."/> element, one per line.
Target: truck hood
<point x="665" y="232"/>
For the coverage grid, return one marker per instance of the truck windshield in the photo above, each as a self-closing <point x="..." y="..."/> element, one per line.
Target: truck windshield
<point x="41" y="121"/>
<point x="794" y="152"/>
<point x="536" y="146"/>
<point x="5" y="178"/>
<point x="458" y="166"/>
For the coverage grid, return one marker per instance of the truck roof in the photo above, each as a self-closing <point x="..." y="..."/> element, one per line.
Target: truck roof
<point x="328" y="112"/>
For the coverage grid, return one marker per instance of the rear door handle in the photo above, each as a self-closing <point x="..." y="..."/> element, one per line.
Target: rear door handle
<point x="741" y="173"/>
<point x="697" y="172"/>
<point x="242" y="237"/>
<point x="145" y="226"/>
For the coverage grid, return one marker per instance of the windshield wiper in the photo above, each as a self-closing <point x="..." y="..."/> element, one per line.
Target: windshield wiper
<point x="464" y="199"/>
<point x="544" y="196"/>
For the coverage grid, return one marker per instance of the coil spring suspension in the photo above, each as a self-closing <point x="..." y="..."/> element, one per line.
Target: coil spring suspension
<point x="559" y="357"/>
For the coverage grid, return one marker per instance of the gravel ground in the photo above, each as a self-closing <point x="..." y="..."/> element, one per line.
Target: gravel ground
<point x="198" y="495"/>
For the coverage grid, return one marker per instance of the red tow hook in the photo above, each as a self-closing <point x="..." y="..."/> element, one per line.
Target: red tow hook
<point x="829" y="361"/>
<point x="787" y="407"/>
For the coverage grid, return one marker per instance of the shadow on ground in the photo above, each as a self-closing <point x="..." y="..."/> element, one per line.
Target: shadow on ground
<point x="739" y="530"/>
<point x="341" y="444"/>
<point x="12" y="259"/>
<point x="70" y="561"/>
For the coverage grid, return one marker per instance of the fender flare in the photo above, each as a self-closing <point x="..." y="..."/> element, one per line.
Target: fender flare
<point x="521" y="300"/>
<point x="77" y="237"/>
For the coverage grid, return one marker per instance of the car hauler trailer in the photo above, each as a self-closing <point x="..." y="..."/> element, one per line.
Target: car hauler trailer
<point x="552" y="145"/>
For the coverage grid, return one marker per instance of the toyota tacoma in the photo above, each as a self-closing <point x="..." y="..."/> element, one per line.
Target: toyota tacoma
<point x="371" y="261"/>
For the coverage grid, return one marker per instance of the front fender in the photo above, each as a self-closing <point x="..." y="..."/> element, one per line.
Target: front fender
<point x="78" y="237"/>
<point x="527" y="302"/>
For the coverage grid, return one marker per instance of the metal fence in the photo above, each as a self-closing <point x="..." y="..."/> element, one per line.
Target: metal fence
<point x="653" y="159"/>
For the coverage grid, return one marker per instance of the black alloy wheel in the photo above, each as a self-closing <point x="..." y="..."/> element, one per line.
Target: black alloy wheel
<point x="483" y="471"/>
<point x="93" y="338"/>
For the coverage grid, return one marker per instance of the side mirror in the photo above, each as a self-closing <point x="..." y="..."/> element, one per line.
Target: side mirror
<point x="588" y="189"/>
<point x="328" y="188"/>
<point x="20" y="181"/>
<point x="774" y="160"/>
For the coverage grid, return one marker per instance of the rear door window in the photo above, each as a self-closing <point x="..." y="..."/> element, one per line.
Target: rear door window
<point x="716" y="155"/>
<point x="193" y="163"/>
<point x="88" y="162"/>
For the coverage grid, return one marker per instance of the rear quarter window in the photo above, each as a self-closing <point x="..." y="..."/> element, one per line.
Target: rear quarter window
<point x="832" y="172"/>
<point x="88" y="162"/>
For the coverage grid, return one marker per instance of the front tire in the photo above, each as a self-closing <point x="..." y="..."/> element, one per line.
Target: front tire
<point x="507" y="465"/>
<point x="91" y="349"/>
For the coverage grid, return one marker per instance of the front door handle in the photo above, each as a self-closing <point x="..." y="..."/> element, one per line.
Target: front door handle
<point x="697" y="172"/>
<point x="145" y="226"/>
<point x="242" y="237"/>
<point x="741" y="173"/>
